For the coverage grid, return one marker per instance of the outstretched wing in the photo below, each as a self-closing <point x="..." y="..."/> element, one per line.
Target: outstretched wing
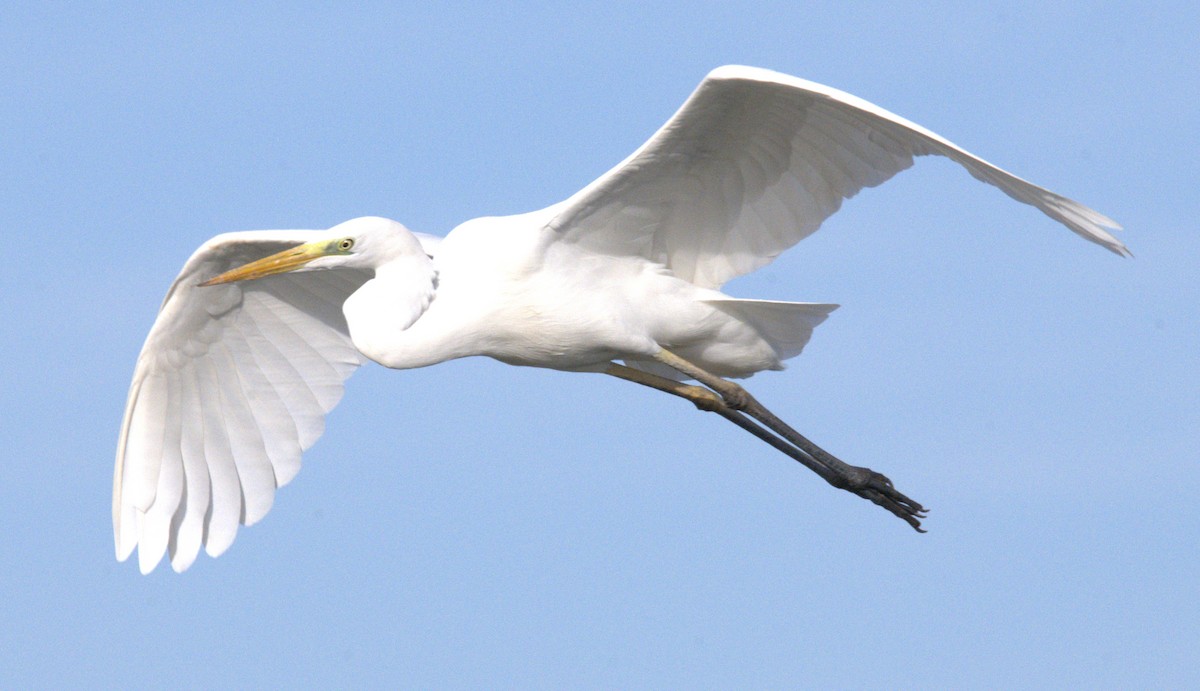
<point x="753" y="163"/>
<point x="232" y="384"/>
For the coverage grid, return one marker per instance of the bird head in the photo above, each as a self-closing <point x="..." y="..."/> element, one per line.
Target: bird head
<point x="360" y="243"/>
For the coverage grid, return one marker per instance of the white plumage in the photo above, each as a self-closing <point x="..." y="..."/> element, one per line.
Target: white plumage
<point x="235" y="378"/>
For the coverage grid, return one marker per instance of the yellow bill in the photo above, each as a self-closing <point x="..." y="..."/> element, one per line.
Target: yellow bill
<point x="278" y="263"/>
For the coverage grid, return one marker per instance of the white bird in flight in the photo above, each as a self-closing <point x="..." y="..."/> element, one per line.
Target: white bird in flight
<point x="258" y="333"/>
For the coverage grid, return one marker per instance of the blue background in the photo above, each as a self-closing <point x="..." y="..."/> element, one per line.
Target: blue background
<point x="477" y="525"/>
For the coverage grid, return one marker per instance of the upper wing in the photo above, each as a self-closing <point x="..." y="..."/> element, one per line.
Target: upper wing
<point x="232" y="384"/>
<point x="754" y="162"/>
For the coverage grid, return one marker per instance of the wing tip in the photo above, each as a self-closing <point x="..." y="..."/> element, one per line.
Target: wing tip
<point x="1121" y="251"/>
<point x="147" y="561"/>
<point x="217" y="544"/>
<point x="1087" y="223"/>
<point x="1099" y="235"/>
<point x="182" y="565"/>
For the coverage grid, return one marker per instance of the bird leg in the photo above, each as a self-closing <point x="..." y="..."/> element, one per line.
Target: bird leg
<point x="708" y="401"/>
<point x="738" y="404"/>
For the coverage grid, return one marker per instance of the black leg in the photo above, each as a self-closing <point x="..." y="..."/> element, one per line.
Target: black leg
<point x="706" y="400"/>
<point x="864" y="482"/>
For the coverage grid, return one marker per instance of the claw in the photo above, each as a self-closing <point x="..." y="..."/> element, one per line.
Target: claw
<point x="879" y="490"/>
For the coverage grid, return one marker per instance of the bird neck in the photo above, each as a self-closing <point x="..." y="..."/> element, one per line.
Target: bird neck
<point x="380" y="312"/>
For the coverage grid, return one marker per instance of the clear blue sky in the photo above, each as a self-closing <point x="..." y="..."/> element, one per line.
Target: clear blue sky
<point x="478" y="526"/>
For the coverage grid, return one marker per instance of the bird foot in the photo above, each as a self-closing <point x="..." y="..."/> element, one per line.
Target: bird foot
<point x="877" y="488"/>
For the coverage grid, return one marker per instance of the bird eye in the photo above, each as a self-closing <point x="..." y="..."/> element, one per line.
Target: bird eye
<point x="345" y="244"/>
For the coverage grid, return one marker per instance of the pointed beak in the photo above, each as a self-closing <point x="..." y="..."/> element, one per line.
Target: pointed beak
<point x="278" y="263"/>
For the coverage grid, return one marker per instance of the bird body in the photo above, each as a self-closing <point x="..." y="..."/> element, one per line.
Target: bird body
<point x="260" y="330"/>
<point x="508" y="288"/>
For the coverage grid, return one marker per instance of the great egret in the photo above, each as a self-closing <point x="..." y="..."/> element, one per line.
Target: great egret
<point x="258" y="333"/>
